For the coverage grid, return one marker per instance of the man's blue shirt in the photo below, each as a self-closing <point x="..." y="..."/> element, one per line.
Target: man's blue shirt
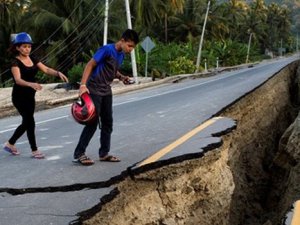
<point x="108" y="61"/>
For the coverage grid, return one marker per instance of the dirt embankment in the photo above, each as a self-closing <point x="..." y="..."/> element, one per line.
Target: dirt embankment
<point x="263" y="116"/>
<point x="250" y="180"/>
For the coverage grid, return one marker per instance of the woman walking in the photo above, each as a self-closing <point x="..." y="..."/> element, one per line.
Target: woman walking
<point x="24" y="68"/>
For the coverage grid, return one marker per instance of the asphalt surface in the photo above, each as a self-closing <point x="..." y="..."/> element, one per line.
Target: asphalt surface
<point x="177" y="120"/>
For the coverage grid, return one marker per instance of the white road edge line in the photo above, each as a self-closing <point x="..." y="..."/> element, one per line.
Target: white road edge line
<point x="41" y="122"/>
<point x="184" y="88"/>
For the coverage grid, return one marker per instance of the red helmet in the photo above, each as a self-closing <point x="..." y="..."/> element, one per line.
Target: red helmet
<point x="83" y="110"/>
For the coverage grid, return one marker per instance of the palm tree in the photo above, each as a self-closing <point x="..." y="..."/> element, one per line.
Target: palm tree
<point x="255" y="23"/>
<point x="188" y="25"/>
<point x="235" y="13"/>
<point x="278" y="28"/>
<point x="146" y="13"/>
<point x="73" y="26"/>
<point x="217" y="25"/>
<point x="172" y="7"/>
<point x="10" y="14"/>
<point x="151" y="16"/>
<point x="117" y="22"/>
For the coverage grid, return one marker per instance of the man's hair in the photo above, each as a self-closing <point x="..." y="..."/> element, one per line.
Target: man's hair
<point x="130" y="35"/>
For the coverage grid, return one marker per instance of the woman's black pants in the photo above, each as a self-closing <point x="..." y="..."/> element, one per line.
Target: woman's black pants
<point x="26" y="109"/>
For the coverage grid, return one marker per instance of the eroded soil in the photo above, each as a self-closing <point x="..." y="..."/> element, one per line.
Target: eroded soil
<point x="250" y="179"/>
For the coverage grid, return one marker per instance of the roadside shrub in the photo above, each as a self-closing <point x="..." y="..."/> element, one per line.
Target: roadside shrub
<point x="176" y="58"/>
<point x="8" y="83"/>
<point x="126" y="67"/>
<point x="75" y="73"/>
<point x="162" y="54"/>
<point x="182" y="65"/>
<point x="44" y="78"/>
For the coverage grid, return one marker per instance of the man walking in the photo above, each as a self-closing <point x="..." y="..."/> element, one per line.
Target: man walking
<point x="97" y="76"/>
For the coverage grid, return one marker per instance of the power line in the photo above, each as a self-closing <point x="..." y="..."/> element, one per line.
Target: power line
<point x="76" y="29"/>
<point x="85" y="39"/>
<point x="74" y="10"/>
<point x="86" y="36"/>
<point x="49" y="38"/>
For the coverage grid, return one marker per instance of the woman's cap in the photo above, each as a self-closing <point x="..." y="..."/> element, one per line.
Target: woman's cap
<point x="22" y="38"/>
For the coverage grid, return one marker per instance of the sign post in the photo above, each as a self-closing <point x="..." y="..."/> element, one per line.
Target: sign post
<point x="147" y="45"/>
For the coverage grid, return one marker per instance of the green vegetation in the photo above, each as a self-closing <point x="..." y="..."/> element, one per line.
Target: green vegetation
<point x="75" y="73"/>
<point x="66" y="33"/>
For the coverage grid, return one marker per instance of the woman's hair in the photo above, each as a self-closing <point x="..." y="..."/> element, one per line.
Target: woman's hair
<point x="12" y="50"/>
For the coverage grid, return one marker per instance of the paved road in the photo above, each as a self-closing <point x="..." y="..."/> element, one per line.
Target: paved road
<point x="53" y="190"/>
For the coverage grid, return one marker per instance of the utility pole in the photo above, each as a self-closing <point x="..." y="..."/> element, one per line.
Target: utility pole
<point x="281" y="47"/>
<point x="105" y="23"/>
<point x="133" y="61"/>
<point x="248" y="50"/>
<point x="297" y="46"/>
<point x="201" y="40"/>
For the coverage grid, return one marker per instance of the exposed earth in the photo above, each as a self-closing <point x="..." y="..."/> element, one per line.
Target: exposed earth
<point x="253" y="178"/>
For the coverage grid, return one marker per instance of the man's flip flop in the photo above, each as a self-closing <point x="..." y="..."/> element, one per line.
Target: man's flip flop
<point x="12" y="151"/>
<point x="109" y="158"/>
<point x="84" y="160"/>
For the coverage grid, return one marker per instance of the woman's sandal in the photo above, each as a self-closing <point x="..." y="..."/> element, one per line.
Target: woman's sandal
<point x="109" y="158"/>
<point x="11" y="149"/>
<point x="84" y="160"/>
<point x="37" y="155"/>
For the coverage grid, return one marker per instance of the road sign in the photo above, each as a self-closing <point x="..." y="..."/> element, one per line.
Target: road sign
<point x="147" y="44"/>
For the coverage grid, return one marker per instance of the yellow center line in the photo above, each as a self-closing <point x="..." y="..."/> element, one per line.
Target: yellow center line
<point x="296" y="216"/>
<point x="156" y="156"/>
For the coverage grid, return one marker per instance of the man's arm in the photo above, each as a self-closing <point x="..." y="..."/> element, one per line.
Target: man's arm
<point x="85" y="76"/>
<point x="120" y="76"/>
<point x="123" y="78"/>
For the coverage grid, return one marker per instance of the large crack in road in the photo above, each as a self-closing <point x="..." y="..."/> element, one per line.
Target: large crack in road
<point x="231" y="184"/>
<point x="209" y="186"/>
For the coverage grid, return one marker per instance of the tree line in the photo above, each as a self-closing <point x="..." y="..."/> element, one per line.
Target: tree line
<point x="67" y="32"/>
